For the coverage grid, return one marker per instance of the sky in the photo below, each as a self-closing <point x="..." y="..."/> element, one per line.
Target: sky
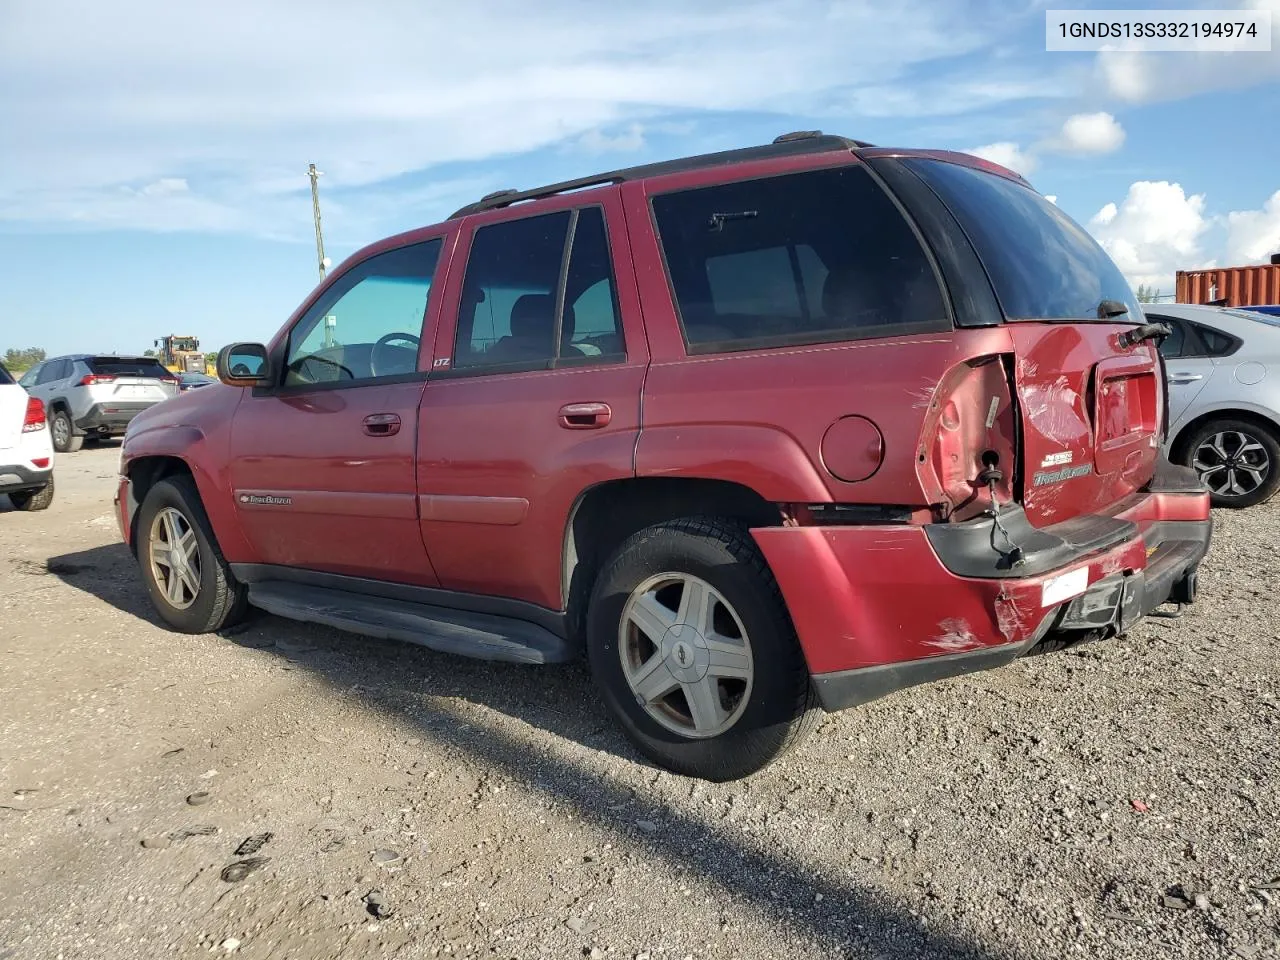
<point x="153" y="154"/>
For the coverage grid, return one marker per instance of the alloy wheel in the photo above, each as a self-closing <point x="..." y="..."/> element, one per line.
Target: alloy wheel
<point x="686" y="655"/>
<point x="175" y="558"/>
<point x="61" y="430"/>
<point x="1232" y="463"/>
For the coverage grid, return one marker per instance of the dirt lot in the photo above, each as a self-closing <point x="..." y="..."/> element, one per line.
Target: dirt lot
<point x="1118" y="801"/>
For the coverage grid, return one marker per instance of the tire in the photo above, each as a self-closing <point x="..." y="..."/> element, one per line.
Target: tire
<point x="34" y="499"/>
<point x="1235" y="455"/>
<point x="218" y="601"/>
<point x="761" y="717"/>
<point x="63" y="432"/>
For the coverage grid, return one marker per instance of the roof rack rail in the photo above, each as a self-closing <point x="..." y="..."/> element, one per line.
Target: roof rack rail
<point x="797" y="135"/>
<point x="789" y="144"/>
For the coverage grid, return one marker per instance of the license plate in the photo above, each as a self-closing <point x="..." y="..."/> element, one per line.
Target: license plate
<point x="1063" y="587"/>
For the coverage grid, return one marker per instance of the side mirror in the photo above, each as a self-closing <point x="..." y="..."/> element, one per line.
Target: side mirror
<point x="244" y="365"/>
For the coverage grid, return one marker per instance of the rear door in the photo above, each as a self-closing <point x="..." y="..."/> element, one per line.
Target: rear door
<point x="1090" y="408"/>
<point x="534" y="395"/>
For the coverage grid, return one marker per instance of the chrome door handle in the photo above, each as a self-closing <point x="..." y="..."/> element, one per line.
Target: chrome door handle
<point x="1185" y="377"/>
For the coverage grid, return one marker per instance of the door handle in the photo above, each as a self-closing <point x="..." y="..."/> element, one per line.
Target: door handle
<point x="1185" y="377"/>
<point x="382" y="424"/>
<point x="585" y="416"/>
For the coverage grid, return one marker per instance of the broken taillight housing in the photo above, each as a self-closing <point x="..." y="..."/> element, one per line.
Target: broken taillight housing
<point x="971" y="424"/>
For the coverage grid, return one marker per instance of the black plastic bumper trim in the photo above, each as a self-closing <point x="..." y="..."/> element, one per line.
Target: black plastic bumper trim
<point x="121" y="414"/>
<point x="28" y="479"/>
<point x="850" y="688"/>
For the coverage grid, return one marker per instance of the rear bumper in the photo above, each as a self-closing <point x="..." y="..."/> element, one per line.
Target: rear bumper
<point x="877" y="609"/>
<point x="110" y="417"/>
<point x="18" y="477"/>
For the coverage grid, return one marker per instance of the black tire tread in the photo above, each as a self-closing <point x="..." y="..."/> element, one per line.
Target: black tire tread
<point x="1209" y="427"/>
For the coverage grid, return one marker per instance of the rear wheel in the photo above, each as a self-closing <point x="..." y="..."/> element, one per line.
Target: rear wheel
<point x="1237" y="460"/>
<point x="188" y="579"/>
<point x="64" y="434"/>
<point x="34" y="499"/>
<point x="694" y="651"/>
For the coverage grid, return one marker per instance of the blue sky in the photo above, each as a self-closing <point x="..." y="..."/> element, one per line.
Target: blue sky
<point x="153" y="154"/>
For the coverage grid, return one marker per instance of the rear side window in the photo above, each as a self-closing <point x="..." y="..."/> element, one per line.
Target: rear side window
<point x="539" y="291"/>
<point x="1042" y="264"/>
<point x="801" y="258"/>
<point x="126" y="367"/>
<point x="6" y="377"/>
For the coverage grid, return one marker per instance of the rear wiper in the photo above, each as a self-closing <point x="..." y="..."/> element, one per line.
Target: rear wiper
<point x="1148" y="331"/>
<point x="1111" y="308"/>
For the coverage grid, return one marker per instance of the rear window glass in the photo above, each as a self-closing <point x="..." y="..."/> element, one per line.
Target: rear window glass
<point x="801" y="258"/>
<point x="126" y="367"/>
<point x="5" y="376"/>
<point x="1043" y="265"/>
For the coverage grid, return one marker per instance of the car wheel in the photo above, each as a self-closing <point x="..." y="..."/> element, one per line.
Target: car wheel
<point x="64" y="434"/>
<point x="188" y="579"/>
<point x="693" y="649"/>
<point x="1237" y="460"/>
<point x="34" y="499"/>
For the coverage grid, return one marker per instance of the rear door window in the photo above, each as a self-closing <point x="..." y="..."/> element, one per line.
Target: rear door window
<point x="539" y="291"/>
<point x="127" y="367"/>
<point x="1042" y="264"/>
<point x="800" y="258"/>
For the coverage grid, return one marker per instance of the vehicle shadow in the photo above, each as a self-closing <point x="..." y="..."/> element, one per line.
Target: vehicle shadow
<point x="415" y="686"/>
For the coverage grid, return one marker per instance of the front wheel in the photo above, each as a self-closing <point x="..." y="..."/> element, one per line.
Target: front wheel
<point x="694" y="652"/>
<point x="188" y="580"/>
<point x="1238" y="461"/>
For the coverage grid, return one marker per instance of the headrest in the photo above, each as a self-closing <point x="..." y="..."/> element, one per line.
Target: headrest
<point x="533" y="317"/>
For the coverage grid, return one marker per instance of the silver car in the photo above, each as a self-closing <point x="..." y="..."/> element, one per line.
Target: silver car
<point x="96" y="395"/>
<point x="1223" y="368"/>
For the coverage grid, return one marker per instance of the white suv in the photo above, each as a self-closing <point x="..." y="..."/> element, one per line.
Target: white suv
<point x="26" y="449"/>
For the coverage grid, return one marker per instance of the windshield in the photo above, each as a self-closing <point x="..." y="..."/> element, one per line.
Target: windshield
<point x="1042" y="264"/>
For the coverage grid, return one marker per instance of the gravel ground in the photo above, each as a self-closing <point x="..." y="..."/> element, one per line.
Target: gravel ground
<point x="1115" y="801"/>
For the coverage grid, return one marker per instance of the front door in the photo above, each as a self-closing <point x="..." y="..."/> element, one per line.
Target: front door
<point x="323" y="462"/>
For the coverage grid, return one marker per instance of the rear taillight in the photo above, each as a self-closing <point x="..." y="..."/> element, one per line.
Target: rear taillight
<point x="89" y="379"/>
<point x="35" y="418"/>
<point x="167" y="379"/>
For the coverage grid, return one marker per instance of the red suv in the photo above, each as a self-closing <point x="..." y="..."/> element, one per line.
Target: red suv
<point x="791" y="426"/>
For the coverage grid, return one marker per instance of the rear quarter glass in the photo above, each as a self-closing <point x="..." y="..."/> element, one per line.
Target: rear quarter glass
<point x="1041" y="263"/>
<point x="795" y="258"/>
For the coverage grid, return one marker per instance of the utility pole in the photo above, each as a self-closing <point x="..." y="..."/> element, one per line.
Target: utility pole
<point x="315" y="212"/>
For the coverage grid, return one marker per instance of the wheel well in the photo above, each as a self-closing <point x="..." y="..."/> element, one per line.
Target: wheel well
<point x="609" y="513"/>
<point x="145" y="473"/>
<point x="1178" y="451"/>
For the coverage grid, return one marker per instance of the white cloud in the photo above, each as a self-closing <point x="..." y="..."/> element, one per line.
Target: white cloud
<point x="1150" y="77"/>
<point x="1156" y="230"/>
<point x="1254" y="235"/>
<point x="235" y="98"/>
<point x="1090" y="133"/>
<point x="626" y="141"/>
<point x="1007" y="154"/>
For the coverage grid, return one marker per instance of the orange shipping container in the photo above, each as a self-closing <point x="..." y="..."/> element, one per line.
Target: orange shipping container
<point x="1237" y="286"/>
